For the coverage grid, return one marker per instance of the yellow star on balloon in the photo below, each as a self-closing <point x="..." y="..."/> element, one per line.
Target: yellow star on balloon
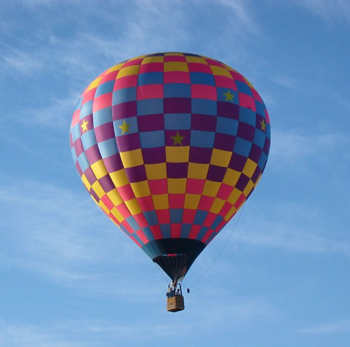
<point x="263" y="125"/>
<point x="84" y="126"/>
<point x="124" y="127"/>
<point x="229" y="96"/>
<point x="177" y="139"/>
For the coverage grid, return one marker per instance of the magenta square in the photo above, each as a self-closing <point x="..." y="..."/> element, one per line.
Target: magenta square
<point x="228" y="110"/>
<point x="224" y="141"/>
<point x="153" y="155"/>
<point x="128" y="142"/>
<point x="200" y="155"/>
<point x="203" y="122"/>
<point x="177" y="170"/>
<point x="124" y="110"/>
<point x="177" y="105"/>
<point x="136" y="174"/>
<point x="151" y="122"/>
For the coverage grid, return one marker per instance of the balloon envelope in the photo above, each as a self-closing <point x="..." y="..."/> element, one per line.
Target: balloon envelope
<point x="170" y="146"/>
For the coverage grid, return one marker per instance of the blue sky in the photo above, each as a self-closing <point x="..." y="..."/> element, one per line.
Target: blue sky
<point x="69" y="278"/>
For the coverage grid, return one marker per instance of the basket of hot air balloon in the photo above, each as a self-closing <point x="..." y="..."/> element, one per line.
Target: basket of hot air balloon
<point x="170" y="146"/>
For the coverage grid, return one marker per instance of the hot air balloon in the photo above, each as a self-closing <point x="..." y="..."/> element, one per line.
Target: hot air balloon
<point x="170" y="146"/>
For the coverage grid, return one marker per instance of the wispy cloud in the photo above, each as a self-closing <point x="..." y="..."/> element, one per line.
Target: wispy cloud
<point x="328" y="328"/>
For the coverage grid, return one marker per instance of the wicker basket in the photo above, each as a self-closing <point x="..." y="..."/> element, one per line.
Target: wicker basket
<point x="175" y="303"/>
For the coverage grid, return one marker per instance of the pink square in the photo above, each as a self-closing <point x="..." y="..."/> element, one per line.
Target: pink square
<point x="169" y="58"/>
<point x="111" y="216"/>
<point x="175" y="230"/>
<point x="102" y="101"/>
<point x="150" y="91"/>
<point x="201" y="91"/>
<point x="141" y="220"/>
<point x="194" y="231"/>
<point x="176" y="200"/>
<point x="220" y="226"/>
<point x="198" y="67"/>
<point x="188" y="216"/>
<point x="88" y="96"/>
<point x="267" y="116"/>
<point x="194" y="186"/>
<point x="207" y="235"/>
<point x="146" y="203"/>
<point x="133" y="238"/>
<point x="156" y="232"/>
<point x="224" y="210"/>
<point x="246" y="101"/>
<point x="176" y="77"/>
<point x="214" y="62"/>
<point x="133" y="62"/>
<point x="158" y="186"/>
<point x="142" y="236"/>
<point x="123" y="210"/>
<point x="127" y="226"/>
<point x="224" y="191"/>
<point x="239" y="201"/>
<point x="76" y="118"/>
<point x="225" y="82"/>
<point x="256" y="95"/>
<point x="126" y="192"/>
<point x="125" y="82"/>
<point x="237" y="76"/>
<point x="107" y="201"/>
<point x="205" y="203"/>
<point x="163" y="216"/>
<point x="209" y="220"/>
<point x="109" y="77"/>
<point x="151" y="67"/>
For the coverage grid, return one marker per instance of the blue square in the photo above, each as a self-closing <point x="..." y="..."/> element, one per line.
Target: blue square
<point x="75" y="132"/>
<point x="177" y="121"/>
<point x="202" y="138"/>
<point x="202" y="232"/>
<point x="176" y="215"/>
<point x="152" y="139"/>
<point x="247" y="115"/>
<point x="148" y="233"/>
<point x="151" y="217"/>
<point x="216" y="222"/>
<point x="222" y="97"/>
<point x="150" y="78"/>
<point x="88" y="139"/>
<point x="104" y="88"/>
<point x="132" y="222"/>
<point x="202" y="78"/>
<point x="78" y="105"/>
<point x="74" y="155"/>
<point x="259" y="138"/>
<point x="204" y="106"/>
<point x="200" y="217"/>
<point x="185" y="230"/>
<point x="260" y="108"/>
<point x="86" y="109"/>
<point x="262" y="161"/>
<point x="242" y="147"/>
<point x="108" y="148"/>
<point x="243" y="88"/>
<point x="166" y="233"/>
<point x="179" y="90"/>
<point x="102" y="116"/>
<point x="227" y="126"/>
<point x="150" y="106"/>
<point x="131" y="121"/>
<point x="124" y="95"/>
<point x="83" y="162"/>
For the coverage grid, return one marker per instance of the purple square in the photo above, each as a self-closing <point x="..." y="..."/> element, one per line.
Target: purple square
<point x="151" y="122"/>
<point x="200" y="155"/>
<point x="92" y="192"/>
<point x="177" y="170"/>
<point x="203" y="122"/>
<point x="78" y="147"/>
<point x="255" y="153"/>
<point x="242" y="182"/>
<point x="104" y="132"/>
<point x="77" y="165"/>
<point x="128" y="142"/>
<point x="256" y="174"/>
<point x="177" y="105"/>
<point x="124" y="110"/>
<point x="216" y="173"/>
<point x="106" y="183"/>
<point x="136" y="174"/>
<point x="113" y="163"/>
<point x="224" y="142"/>
<point x="267" y="146"/>
<point x="93" y="154"/>
<point x="90" y="175"/>
<point x="153" y="155"/>
<point x="228" y="110"/>
<point x="246" y="131"/>
<point x="237" y="162"/>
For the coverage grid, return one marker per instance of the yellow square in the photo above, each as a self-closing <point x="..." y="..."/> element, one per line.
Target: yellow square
<point x="197" y="170"/>
<point x="156" y="171"/>
<point x="235" y="194"/>
<point x="156" y="59"/>
<point x="231" y="177"/>
<point x="117" y="214"/>
<point x="115" y="67"/>
<point x="190" y="59"/>
<point x="218" y="70"/>
<point x="172" y="54"/>
<point x="249" y="84"/>
<point x="229" y="67"/>
<point x="133" y="206"/>
<point x="99" y="169"/>
<point x="249" y="187"/>
<point x="86" y="182"/>
<point x="175" y="66"/>
<point x="160" y="202"/>
<point x="177" y="154"/>
<point x="211" y="188"/>
<point x="128" y="71"/>
<point x="115" y="197"/>
<point x="220" y="157"/>
<point x="230" y="213"/>
<point x="140" y="189"/>
<point x="98" y="189"/>
<point x="249" y="168"/>
<point x="192" y="201"/>
<point x="177" y="185"/>
<point x="132" y="158"/>
<point x="103" y="207"/>
<point x="217" y="205"/>
<point x="136" y="58"/>
<point x="93" y="84"/>
<point x="119" y="178"/>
